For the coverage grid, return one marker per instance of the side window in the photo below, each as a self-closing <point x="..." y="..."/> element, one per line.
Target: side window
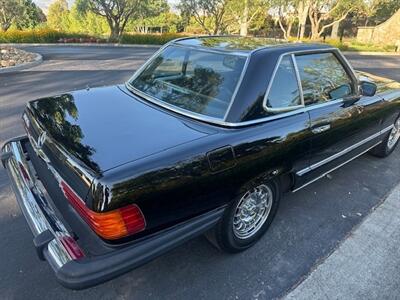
<point x="323" y="78"/>
<point x="284" y="93"/>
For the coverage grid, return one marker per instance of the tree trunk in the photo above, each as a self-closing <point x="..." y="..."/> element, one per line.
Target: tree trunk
<point x="315" y="22"/>
<point x="244" y="20"/>
<point x="289" y="30"/>
<point x="303" y="9"/>
<point x="335" y="30"/>
<point x="115" y="33"/>
<point x="314" y="33"/>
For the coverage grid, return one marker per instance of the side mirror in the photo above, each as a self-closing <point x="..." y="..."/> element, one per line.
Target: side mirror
<point x="367" y="88"/>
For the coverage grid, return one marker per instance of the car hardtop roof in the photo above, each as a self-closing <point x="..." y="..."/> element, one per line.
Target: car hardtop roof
<point x="235" y="43"/>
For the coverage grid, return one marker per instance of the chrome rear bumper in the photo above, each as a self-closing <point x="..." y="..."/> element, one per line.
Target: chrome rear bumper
<point x="48" y="230"/>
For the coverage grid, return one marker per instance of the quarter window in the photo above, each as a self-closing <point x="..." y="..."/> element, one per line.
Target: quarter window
<point x="323" y="78"/>
<point x="284" y="92"/>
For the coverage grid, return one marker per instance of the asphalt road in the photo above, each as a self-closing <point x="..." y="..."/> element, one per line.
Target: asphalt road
<point x="310" y="224"/>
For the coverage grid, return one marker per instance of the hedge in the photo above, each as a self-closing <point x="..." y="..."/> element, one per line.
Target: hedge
<point x="54" y="36"/>
<point x="149" y="39"/>
<point x="37" y="36"/>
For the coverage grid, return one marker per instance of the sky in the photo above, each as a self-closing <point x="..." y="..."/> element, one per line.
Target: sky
<point x="44" y="4"/>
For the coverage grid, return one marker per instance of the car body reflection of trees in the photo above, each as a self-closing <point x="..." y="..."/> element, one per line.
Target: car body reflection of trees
<point x="58" y="114"/>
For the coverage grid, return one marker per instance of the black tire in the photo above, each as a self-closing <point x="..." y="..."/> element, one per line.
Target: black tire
<point x="223" y="236"/>
<point x="383" y="149"/>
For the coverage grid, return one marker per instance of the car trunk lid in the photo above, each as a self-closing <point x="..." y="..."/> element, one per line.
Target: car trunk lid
<point x="91" y="131"/>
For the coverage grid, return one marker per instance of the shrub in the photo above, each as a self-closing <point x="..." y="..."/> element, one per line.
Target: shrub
<point x="149" y="39"/>
<point x="43" y="35"/>
<point x="337" y="44"/>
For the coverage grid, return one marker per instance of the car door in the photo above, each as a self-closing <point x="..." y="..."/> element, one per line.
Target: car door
<point x="342" y="122"/>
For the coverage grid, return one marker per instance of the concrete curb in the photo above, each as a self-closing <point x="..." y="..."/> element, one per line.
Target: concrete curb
<point x="364" y="265"/>
<point x="81" y="45"/>
<point x="38" y="60"/>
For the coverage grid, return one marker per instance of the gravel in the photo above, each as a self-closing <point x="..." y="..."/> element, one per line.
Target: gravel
<point x="10" y="57"/>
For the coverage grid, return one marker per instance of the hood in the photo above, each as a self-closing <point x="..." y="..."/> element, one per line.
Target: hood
<point x="108" y="127"/>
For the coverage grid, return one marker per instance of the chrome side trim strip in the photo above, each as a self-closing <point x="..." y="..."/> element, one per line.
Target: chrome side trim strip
<point x="296" y="69"/>
<point x="387" y="129"/>
<point x="341" y="153"/>
<point x="337" y="167"/>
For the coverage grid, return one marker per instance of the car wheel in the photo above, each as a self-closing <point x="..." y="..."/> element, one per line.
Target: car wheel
<point x="247" y="218"/>
<point x="389" y="143"/>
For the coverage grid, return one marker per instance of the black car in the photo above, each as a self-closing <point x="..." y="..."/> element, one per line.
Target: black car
<point x="204" y="138"/>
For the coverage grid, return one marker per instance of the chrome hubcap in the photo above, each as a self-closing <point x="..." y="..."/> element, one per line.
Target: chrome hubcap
<point x="252" y="211"/>
<point x="394" y="135"/>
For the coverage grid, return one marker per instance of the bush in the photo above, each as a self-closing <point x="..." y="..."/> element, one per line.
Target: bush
<point x="37" y="36"/>
<point x="337" y="44"/>
<point x="149" y="39"/>
<point x="45" y="35"/>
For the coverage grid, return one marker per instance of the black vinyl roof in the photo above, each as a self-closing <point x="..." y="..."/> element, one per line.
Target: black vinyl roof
<point x="246" y="44"/>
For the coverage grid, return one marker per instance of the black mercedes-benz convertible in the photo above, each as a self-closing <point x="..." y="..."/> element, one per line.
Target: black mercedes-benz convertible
<point x="204" y="138"/>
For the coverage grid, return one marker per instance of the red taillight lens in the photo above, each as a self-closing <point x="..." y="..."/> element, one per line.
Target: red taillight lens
<point x="71" y="247"/>
<point x="110" y="225"/>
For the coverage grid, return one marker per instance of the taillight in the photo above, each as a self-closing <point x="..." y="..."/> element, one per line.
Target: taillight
<point x="71" y="247"/>
<point x="109" y="225"/>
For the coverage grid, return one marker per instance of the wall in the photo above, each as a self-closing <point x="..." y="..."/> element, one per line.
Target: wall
<point x="386" y="33"/>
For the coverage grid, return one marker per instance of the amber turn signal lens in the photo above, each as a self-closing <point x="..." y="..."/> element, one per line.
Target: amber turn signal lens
<point x="110" y="225"/>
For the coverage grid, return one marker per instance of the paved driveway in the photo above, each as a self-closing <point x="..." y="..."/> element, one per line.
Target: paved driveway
<point x="309" y="226"/>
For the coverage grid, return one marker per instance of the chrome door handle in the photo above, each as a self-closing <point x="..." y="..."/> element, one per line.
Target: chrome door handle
<point x="320" y="129"/>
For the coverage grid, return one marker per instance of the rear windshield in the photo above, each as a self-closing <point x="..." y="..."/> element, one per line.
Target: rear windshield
<point x="194" y="80"/>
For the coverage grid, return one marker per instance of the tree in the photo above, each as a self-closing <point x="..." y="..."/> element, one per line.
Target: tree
<point x="31" y="15"/>
<point x="209" y="14"/>
<point x="324" y="14"/>
<point x="378" y="11"/>
<point x="242" y="13"/>
<point x="10" y="10"/>
<point x="154" y="12"/>
<point x="369" y="9"/>
<point x="116" y="12"/>
<point x="287" y="12"/>
<point x="57" y="15"/>
<point x="303" y="7"/>
<point x="286" y="15"/>
<point x="86" y="21"/>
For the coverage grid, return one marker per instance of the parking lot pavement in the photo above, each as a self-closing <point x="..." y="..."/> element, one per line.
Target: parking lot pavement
<point x="309" y="226"/>
<point x="366" y="265"/>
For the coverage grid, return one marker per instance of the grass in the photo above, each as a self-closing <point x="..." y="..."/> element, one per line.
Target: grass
<point x="353" y="45"/>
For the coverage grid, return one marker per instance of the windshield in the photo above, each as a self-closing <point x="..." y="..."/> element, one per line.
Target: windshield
<point x="198" y="81"/>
